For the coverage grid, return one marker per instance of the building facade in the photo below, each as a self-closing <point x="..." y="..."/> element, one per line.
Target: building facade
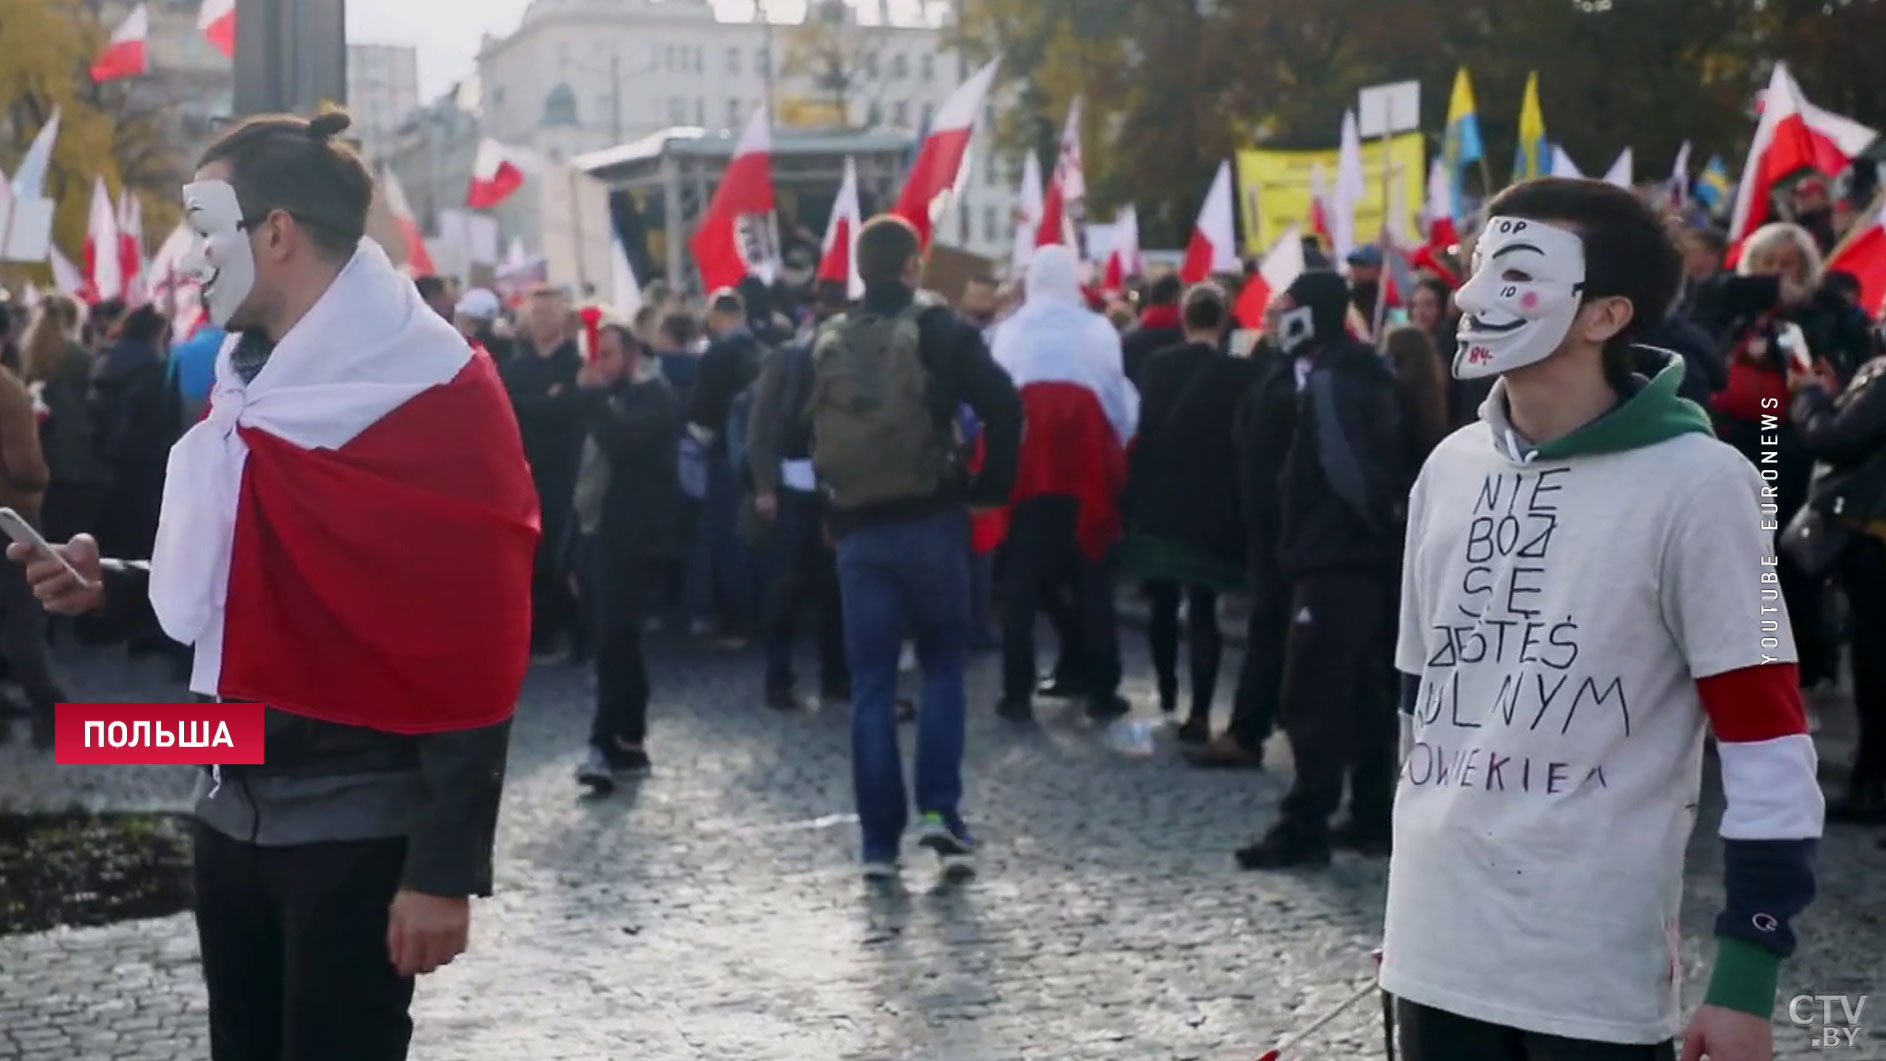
<point x="382" y="92"/>
<point x="580" y="76"/>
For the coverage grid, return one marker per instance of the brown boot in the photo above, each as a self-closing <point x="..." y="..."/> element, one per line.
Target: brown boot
<point x="1224" y="752"/>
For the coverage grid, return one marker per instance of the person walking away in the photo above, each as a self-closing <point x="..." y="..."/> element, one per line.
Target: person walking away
<point x="541" y="380"/>
<point x="726" y="370"/>
<point x="802" y="569"/>
<point x="1064" y="519"/>
<point x="24" y="479"/>
<point x="1185" y="532"/>
<point x="886" y="386"/>
<point x="57" y="369"/>
<point x="135" y="417"/>
<point x="1159" y="326"/>
<point x="375" y="481"/>
<point x="628" y="509"/>
<point x="1847" y="434"/>
<point x="1554" y="721"/>
<point x="1330" y="506"/>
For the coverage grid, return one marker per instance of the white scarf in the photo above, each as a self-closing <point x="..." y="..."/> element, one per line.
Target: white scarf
<point x="366" y="347"/>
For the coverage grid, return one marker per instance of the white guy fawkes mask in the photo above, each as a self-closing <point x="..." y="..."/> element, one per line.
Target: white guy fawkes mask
<point x="224" y="262"/>
<point x="1521" y="300"/>
<point x="1294" y="327"/>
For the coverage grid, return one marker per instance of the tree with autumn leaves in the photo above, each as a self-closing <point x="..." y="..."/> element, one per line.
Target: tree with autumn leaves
<point x="112" y="130"/>
<point x="1175" y="86"/>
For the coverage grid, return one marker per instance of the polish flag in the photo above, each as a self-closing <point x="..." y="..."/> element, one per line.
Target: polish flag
<point x="1067" y="190"/>
<point x="418" y="258"/>
<point x="1213" y="247"/>
<point x="29" y="181"/>
<point x="1792" y="135"/>
<point x="131" y="249"/>
<point x="1321" y="208"/>
<point x="104" y="250"/>
<point x="1351" y="188"/>
<point x="1863" y="254"/>
<point x="1124" y="259"/>
<point x="1620" y="172"/>
<point x="216" y="20"/>
<point x="735" y="239"/>
<point x="125" y="54"/>
<point x="938" y="168"/>
<point x="66" y="276"/>
<point x="1027" y="215"/>
<point x="415" y="619"/>
<point x="1442" y="232"/>
<point x="838" y="259"/>
<point x="1281" y="267"/>
<point x="497" y="172"/>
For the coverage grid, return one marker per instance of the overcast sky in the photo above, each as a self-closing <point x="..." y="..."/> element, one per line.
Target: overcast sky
<point x="447" y="32"/>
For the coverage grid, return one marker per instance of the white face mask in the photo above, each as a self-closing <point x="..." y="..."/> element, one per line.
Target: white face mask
<point x="224" y="262"/>
<point x="1522" y="298"/>
<point x="1294" y="327"/>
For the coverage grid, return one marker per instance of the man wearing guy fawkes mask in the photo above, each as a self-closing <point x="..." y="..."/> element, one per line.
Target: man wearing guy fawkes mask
<point x="1586" y="590"/>
<point x="1325" y="461"/>
<point x="346" y="538"/>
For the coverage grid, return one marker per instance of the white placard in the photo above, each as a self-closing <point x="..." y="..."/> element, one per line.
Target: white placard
<point x="1384" y="110"/>
<point x="28" y="229"/>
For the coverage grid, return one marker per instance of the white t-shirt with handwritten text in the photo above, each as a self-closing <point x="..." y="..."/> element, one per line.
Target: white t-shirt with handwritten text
<point x="1559" y="613"/>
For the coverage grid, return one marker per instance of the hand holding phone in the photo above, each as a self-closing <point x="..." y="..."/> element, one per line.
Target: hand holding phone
<point x="64" y="578"/>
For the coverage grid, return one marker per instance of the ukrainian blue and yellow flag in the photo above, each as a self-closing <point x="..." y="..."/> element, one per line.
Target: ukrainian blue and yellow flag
<point x="1713" y="186"/>
<point x="1461" y="145"/>
<point x="1534" y="156"/>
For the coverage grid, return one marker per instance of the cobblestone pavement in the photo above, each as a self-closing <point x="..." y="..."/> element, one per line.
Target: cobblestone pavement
<point x="714" y="911"/>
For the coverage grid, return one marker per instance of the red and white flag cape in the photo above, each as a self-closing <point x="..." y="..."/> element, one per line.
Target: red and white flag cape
<point x="938" y="168"/>
<point x="1864" y="255"/>
<point x="418" y="258"/>
<point x="350" y="536"/>
<point x="497" y="172"/>
<point x="1213" y="247"/>
<point x="1792" y="135"/>
<point x="1123" y="260"/>
<point x="1281" y="267"/>
<point x="838" y="259"/>
<point x="104" y="251"/>
<point x="216" y="20"/>
<point x="1081" y="411"/>
<point x="1068" y="188"/>
<point x="737" y="234"/>
<point x="125" y="54"/>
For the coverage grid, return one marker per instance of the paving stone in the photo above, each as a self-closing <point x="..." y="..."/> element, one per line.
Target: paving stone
<point x="713" y="910"/>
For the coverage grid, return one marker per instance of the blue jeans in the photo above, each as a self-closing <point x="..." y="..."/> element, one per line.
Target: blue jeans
<point x="899" y="579"/>
<point x="733" y="572"/>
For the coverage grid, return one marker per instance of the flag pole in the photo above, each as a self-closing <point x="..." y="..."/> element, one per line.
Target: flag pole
<point x="1382" y="281"/>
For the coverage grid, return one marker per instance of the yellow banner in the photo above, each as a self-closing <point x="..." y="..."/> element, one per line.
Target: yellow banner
<point x="800" y="112"/>
<point x="1274" y="189"/>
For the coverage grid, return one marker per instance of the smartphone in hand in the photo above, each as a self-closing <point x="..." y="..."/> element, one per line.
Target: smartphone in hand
<point x="18" y="529"/>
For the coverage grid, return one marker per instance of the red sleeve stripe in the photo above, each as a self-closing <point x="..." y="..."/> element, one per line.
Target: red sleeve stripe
<point x="1755" y="703"/>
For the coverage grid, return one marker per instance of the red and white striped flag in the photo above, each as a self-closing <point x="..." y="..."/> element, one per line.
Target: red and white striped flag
<point x="125" y="54"/>
<point x="1281" y="267"/>
<point x="1067" y="190"/>
<point x="418" y="258"/>
<point x="104" y="251"/>
<point x="1863" y="254"/>
<point x="737" y="234"/>
<point x="838" y="260"/>
<point x="1792" y="135"/>
<point x="938" y="168"/>
<point x="498" y="171"/>
<point x="216" y="20"/>
<point x="1213" y="247"/>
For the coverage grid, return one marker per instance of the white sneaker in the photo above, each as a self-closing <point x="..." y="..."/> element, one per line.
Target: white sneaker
<point x="880" y="870"/>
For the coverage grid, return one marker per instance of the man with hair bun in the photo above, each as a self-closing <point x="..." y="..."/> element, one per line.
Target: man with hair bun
<point x="347" y="538"/>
